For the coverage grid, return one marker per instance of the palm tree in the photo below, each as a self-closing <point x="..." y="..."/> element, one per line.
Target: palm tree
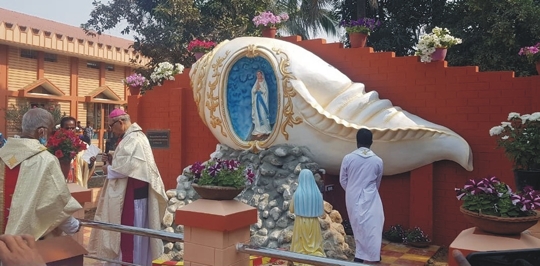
<point x="307" y="18"/>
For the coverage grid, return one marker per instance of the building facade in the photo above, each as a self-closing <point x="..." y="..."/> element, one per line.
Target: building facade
<point x="44" y="63"/>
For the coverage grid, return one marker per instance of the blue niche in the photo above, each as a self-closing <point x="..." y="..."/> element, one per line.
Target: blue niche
<point x="241" y="85"/>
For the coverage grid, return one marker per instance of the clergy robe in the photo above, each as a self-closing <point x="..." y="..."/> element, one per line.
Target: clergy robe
<point x="360" y="176"/>
<point x="134" y="195"/>
<point x="34" y="197"/>
<point x="81" y="170"/>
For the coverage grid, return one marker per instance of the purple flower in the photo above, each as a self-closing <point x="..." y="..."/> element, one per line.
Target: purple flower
<point x="197" y="169"/>
<point x="214" y="169"/>
<point x="250" y="175"/>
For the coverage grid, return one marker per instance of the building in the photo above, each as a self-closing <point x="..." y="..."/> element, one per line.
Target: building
<point x="43" y="62"/>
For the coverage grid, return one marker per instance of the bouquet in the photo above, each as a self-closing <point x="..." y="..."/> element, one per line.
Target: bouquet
<point x="438" y="38"/>
<point x="197" y="46"/>
<point x="520" y="137"/>
<point x="532" y="53"/>
<point x="490" y="196"/>
<point x="166" y="71"/>
<point x="65" y="144"/>
<point x="135" y="80"/>
<point x="223" y="173"/>
<point x="363" y="25"/>
<point x="268" y="19"/>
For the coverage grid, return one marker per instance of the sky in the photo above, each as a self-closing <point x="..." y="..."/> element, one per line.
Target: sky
<point x="71" y="12"/>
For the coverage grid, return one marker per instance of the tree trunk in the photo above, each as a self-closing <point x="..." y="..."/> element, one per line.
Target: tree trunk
<point x="360" y="9"/>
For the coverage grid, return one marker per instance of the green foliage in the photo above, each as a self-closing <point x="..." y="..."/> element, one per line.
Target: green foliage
<point x="491" y="204"/>
<point x="15" y="113"/>
<point x="395" y="233"/>
<point x="415" y="235"/>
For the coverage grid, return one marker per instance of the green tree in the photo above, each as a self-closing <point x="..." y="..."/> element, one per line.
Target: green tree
<point x="308" y="18"/>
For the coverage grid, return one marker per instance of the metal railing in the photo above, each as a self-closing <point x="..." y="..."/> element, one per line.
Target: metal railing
<point x="293" y="256"/>
<point x="240" y="247"/>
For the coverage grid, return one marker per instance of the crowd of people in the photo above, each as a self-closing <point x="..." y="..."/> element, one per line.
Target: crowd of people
<point x="37" y="203"/>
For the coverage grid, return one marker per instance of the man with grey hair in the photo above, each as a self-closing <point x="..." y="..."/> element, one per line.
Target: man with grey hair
<point x="133" y="195"/>
<point x="35" y="197"/>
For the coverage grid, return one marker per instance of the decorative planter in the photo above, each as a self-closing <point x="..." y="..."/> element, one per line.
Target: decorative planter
<point x="439" y="54"/>
<point x="269" y="32"/>
<point x="217" y="192"/>
<point x="424" y="244"/>
<point x="134" y="90"/>
<point x="500" y="225"/>
<point x="538" y="67"/>
<point x="198" y="55"/>
<point x="525" y="178"/>
<point x="66" y="168"/>
<point x="357" y="39"/>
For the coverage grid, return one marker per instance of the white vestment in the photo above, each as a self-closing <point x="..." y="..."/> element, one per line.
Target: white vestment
<point x="260" y="109"/>
<point x="132" y="158"/>
<point x="360" y="177"/>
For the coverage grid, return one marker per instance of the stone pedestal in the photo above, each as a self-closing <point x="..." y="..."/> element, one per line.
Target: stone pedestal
<point x="473" y="239"/>
<point x="82" y="195"/>
<point x="212" y="229"/>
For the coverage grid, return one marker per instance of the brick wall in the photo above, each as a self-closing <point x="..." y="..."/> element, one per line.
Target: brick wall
<point x="460" y="98"/>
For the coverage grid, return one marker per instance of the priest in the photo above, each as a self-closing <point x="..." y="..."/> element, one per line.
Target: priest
<point x="133" y="195"/>
<point x="34" y="198"/>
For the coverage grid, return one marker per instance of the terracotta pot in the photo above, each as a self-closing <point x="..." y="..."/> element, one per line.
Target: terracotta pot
<point x="269" y="32"/>
<point x="198" y="55"/>
<point x="538" y="67"/>
<point x="66" y="168"/>
<point x="217" y="192"/>
<point x="500" y="225"/>
<point x="134" y="90"/>
<point x="439" y="54"/>
<point x="357" y="39"/>
<point x="525" y="178"/>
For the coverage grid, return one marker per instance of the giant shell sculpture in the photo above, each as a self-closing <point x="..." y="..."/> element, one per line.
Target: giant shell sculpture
<point x="253" y="93"/>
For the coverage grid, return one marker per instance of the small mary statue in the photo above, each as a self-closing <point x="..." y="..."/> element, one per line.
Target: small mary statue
<point x="307" y="205"/>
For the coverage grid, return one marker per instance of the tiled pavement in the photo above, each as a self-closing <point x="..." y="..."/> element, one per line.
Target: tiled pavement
<point x="392" y="253"/>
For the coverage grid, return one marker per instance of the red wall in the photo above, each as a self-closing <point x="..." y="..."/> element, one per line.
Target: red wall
<point x="460" y="98"/>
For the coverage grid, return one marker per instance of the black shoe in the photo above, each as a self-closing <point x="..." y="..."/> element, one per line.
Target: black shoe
<point x="358" y="260"/>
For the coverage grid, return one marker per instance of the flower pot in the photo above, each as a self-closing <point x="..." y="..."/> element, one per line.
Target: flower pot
<point x="198" y="55"/>
<point x="538" y="67"/>
<point x="500" y="225"/>
<point x="269" y="32"/>
<point x="65" y="166"/>
<point x="134" y="90"/>
<point x="439" y="54"/>
<point x="423" y="244"/>
<point x="525" y="178"/>
<point x="217" y="192"/>
<point x="357" y="39"/>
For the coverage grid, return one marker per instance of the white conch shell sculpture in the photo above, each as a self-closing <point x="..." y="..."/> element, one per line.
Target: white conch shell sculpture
<point x="321" y="108"/>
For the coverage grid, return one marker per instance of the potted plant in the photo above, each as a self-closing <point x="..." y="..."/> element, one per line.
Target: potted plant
<point x="166" y="71"/>
<point x="358" y="30"/>
<point x="220" y="179"/>
<point x="520" y="139"/>
<point x="533" y="55"/>
<point x="135" y="82"/>
<point x="416" y="237"/>
<point x="433" y="46"/>
<point x="491" y="205"/>
<point x="65" y="145"/>
<point x="269" y="22"/>
<point x="199" y="48"/>
<point x="396" y="233"/>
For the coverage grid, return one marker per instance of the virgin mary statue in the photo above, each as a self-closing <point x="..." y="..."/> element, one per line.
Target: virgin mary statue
<point x="259" y="107"/>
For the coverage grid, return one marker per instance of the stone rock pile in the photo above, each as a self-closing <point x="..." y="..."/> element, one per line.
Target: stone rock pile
<point x="277" y="179"/>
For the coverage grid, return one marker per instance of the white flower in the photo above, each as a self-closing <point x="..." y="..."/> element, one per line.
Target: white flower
<point x="496" y="130"/>
<point x="504" y="137"/>
<point x="524" y="118"/>
<point x="535" y="116"/>
<point x="512" y="115"/>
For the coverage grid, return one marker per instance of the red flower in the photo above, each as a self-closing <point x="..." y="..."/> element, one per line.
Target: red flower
<point x="59" y="154"/>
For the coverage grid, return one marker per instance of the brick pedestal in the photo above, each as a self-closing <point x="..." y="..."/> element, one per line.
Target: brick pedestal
<point x="212" y="229"/>
<point x="473" y="239"/>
